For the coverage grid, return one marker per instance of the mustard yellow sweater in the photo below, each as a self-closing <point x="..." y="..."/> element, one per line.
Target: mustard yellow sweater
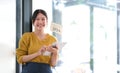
<point x="29" y="43"/>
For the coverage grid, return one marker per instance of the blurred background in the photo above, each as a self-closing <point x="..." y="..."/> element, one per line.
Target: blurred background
<point x="91" y="29"/>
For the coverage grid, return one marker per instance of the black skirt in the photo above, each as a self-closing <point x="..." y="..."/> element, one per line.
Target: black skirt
<point x="33" y="67"/>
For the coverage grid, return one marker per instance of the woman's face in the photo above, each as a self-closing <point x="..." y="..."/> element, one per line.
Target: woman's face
<point x="40" y="22"/>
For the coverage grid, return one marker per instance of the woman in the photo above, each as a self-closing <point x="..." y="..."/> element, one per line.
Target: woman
<point x="35" y="49"/>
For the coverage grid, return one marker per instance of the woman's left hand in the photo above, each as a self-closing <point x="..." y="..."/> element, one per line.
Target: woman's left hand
<point x="52" y="50"/>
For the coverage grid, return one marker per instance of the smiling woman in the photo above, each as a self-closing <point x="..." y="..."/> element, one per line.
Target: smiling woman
<point x="33" y="45"/>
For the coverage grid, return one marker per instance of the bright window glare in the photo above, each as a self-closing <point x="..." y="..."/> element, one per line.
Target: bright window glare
<point x="105" y="41"/>
<point x="76" y="53"/>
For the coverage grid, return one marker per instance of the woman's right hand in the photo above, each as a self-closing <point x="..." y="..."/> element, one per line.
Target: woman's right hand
<point x="42" y="50"/>
<point x="29" y="57"/>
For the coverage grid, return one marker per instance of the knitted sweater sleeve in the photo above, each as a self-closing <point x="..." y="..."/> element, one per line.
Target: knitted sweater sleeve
<point x="22" y="47"/>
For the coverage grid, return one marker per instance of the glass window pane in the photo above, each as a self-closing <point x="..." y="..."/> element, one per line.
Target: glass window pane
<point x="75" y="56"/>
<point x="105" y="41"/>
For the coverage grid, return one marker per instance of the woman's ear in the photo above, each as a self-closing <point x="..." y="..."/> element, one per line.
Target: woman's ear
<point x="32" y="22"/>
<point x="46" y="23"/>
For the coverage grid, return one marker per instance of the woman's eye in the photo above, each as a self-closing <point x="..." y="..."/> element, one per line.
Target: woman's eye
<point x="37" y="19"/>
<point x="40" y="19"/>
<point x="43" y="19"/>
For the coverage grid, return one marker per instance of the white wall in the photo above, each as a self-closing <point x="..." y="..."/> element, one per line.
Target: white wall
<point x="7" y="36"/>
